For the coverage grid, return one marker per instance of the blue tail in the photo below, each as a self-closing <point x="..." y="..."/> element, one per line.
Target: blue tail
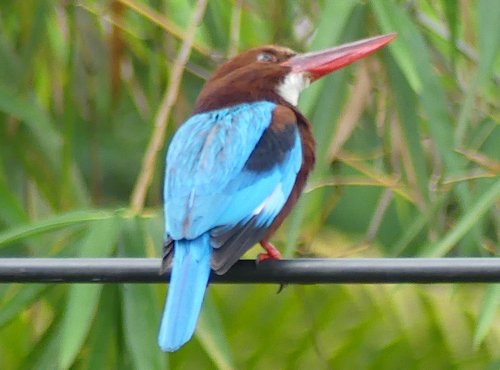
<point x="188" y="282"/>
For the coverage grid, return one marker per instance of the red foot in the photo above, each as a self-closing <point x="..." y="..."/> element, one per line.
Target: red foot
<point x="271" y="252"/>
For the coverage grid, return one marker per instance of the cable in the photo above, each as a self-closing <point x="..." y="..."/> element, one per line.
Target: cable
<point x="294" y="271"/>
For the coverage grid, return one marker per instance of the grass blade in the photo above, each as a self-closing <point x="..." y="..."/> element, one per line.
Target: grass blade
<point x="392" y="18"/>
<point x="101" y="339"/>
<point x="141" y="313"/>
<point x="489" y="41"/>
<point x="84" y="298"/>
<point x="466" y="222"/>
<point x="489" y="312"/>
<point x="211" y="335"/>
<point x="22" y="296"/>
<point x="52" y="223"/>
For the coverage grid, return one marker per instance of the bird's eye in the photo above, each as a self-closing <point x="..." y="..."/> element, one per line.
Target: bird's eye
<point x="266" y="57"/>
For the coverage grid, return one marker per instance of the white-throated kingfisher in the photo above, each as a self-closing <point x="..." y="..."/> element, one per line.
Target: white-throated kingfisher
<point x="236" y="168"/>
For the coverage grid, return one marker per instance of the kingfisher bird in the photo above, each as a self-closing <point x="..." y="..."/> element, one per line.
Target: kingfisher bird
<point x="236" y="167"/>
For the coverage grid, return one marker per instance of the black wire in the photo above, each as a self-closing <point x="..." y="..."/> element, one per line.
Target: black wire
<point x="295" y="271"/>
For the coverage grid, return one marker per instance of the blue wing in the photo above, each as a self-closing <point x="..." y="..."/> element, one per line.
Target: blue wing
<point x="229" y="172"/>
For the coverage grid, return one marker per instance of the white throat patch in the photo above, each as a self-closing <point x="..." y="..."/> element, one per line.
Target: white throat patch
<point x="291" y="87"/>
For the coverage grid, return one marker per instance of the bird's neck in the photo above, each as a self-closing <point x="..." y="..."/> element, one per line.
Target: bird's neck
<point x="248" y="86"/>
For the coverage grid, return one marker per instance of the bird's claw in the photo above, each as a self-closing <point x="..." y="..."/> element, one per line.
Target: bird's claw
<point x="271" y="252"/>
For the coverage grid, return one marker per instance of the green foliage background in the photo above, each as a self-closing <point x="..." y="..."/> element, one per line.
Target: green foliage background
<point x="408" y="164"/>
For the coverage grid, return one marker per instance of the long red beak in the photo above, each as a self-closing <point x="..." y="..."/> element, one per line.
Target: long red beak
<point x="320" y="63"/>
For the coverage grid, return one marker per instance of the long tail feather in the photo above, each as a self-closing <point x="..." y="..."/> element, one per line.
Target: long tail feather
<point x="188" y="282"/>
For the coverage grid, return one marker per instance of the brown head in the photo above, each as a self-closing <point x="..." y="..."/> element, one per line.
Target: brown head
<point x="277" y="74"/>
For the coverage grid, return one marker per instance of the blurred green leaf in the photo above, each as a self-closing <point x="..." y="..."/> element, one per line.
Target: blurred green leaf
<point x="43" y="356"/>
<point x="83" y="298"/>
<point x="408" y="119"/>
<point x="488" y="315"/>
<point x="77" y="320"/>
<point x="489" y="43"/>
<point x="488" y="37"/>
<point x="140" y="322"/>
<point x="393" y="18"/>
<point x="452" y="12"/>
<point x="210" y="333"/>
<point x="38" y="121"/>
<point x="37" y="33"/>
<point x="11" y="211"/>
<point x="17" y="299"/>
<point x="141" y="312"/>
<point x="486" y="202"/>
<point x="103" y="347"/>
<point x="51" y="224"/>
<point x="418" y="224"/>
